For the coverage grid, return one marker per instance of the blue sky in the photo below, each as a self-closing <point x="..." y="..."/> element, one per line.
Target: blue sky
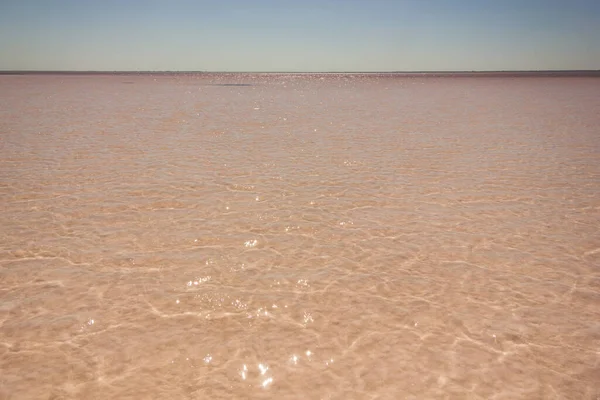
<point x="300" y="35"/>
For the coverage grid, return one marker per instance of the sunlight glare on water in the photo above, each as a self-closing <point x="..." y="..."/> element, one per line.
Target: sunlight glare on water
<point x="299" y="236"/>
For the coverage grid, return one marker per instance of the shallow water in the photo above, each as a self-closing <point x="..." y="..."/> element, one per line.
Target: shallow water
<point x="299" y="236"/>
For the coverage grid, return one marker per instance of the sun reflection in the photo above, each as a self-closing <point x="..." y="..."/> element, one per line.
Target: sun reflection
<point x="307" y="318"/>
<point x="302" y="282"/>
<point x="198" y="281"/>
<point x="251" y="243"/>
<point x="263" y="368"/>
<point x="267" y="382"/>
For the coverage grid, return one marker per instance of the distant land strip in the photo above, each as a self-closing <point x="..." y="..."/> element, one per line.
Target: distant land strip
<point x="550" y="73"/>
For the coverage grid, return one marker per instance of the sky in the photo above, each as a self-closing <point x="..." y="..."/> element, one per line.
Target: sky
<point x="299" y="35"/>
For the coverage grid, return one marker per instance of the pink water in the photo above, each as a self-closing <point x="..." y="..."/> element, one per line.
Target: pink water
<point x="302" y="237"/>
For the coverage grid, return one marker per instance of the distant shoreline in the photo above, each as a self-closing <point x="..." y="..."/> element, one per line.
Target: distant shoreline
<point x="550" y="73"/>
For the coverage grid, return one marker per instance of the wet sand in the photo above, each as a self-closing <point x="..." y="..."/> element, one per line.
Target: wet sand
<point x="299" y="236"/>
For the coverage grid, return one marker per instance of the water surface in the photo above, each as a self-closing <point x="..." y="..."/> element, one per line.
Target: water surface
<point x="299" y="236"/>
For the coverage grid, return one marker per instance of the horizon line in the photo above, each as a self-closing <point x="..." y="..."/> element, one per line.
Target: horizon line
<point x="427" y="72"/>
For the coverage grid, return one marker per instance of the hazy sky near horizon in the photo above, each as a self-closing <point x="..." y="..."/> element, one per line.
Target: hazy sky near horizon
<point x="300" y="35"/>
